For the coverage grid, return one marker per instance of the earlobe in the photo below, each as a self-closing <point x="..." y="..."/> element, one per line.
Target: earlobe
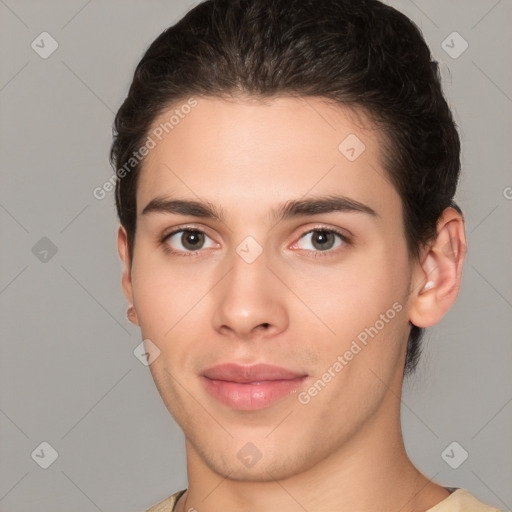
<point x="126" y="280"/>
<point x="436" y="280"/>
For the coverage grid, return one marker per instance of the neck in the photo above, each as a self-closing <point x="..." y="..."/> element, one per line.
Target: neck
<point x="371" y="473"/>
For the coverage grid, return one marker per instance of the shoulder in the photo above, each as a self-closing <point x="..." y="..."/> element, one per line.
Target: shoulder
<point x="462" y="500"/>
<point x="167" y="505"/>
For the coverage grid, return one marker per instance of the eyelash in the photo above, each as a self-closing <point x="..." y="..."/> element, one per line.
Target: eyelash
<point x="317" y="254"/>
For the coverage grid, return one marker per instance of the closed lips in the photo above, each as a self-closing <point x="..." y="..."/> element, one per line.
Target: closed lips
<point x="233" y="372"/>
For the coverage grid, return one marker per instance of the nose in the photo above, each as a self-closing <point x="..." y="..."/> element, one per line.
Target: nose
<point x="250" y="301"/>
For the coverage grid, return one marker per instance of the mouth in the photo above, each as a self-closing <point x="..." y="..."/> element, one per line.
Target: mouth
<point x="250" y="387"/>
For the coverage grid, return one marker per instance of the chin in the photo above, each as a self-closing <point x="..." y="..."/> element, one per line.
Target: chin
<point x="268" y="468"/>
<point x="268" y="473"/>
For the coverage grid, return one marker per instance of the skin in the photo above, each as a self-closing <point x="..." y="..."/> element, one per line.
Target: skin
<point x="343" y="450"/>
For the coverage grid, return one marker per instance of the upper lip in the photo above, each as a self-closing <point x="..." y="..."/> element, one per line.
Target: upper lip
<point x="233" y="372"/>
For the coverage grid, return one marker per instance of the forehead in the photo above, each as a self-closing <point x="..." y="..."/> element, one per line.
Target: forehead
<point x="248" y="153"/>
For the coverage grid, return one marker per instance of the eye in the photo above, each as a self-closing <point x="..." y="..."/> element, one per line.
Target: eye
<point x="323" y="239"/>
<point x="191" y="240"/>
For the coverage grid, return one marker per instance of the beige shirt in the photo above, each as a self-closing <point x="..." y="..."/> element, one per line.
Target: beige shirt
<point x="459" y="500"/>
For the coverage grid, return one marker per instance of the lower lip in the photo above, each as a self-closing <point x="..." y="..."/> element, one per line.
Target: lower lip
<point x="249" y="397"/>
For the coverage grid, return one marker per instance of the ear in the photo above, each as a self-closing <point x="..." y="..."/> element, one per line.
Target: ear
<point x="126" y="279"/>
<point x="436" y="279"/>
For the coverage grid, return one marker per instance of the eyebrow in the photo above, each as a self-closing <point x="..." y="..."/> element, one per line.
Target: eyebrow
<point x="289" y="209"/>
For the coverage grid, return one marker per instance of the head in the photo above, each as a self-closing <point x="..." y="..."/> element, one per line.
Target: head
<point x="248" y="104"/>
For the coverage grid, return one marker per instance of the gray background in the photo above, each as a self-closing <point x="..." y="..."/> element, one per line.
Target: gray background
<point x="68" y="374"/>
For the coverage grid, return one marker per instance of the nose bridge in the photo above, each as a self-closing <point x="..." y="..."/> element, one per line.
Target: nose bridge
<point x="249" y="294"/>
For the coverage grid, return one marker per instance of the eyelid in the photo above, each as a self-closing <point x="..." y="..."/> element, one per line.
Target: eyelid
<point x="344" y="233"/>
<point x="185" y="227"/>
<point x="346" y="238"/>
<point x="179" y="229"/>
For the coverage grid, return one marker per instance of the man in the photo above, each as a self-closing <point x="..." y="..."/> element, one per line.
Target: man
<point x="286" y="179"/>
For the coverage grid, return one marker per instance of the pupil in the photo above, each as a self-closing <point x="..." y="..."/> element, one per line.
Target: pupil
<point x="188" y="239"/>
<point x="322" y="237"/>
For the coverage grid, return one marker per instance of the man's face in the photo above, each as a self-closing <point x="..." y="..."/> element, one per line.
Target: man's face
<point x="253" y="288"/>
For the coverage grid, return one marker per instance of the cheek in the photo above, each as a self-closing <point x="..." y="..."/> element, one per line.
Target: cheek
<point x="163" y="292"/>
<point x="363" y="302"/>
<point x="156" y="297"/>
<point x="365" y="311"/>
<point x="166" y="301"/>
